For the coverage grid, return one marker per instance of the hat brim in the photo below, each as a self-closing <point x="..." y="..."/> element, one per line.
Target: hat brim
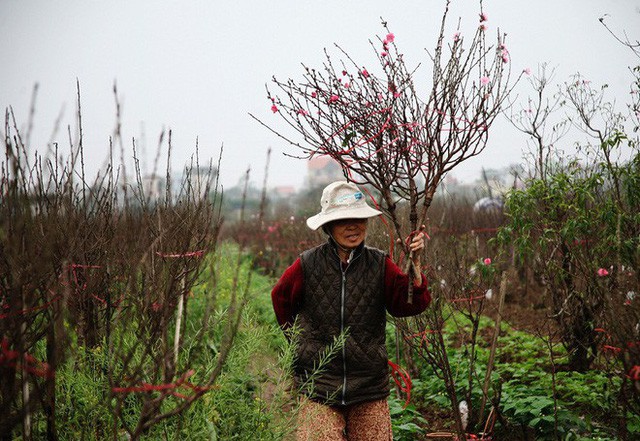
<point x="318" y="220"/>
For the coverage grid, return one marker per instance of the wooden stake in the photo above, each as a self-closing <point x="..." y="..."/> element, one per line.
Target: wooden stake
<point x="494" y="343"/>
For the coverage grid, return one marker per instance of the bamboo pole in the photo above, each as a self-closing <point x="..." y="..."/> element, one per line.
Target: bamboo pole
<point x="494" y="343"/>
<point x="176" y="340"/>
<point x="26" y="401"/>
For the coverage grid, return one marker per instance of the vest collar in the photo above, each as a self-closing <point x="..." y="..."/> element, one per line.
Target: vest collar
<point x="334" y="246"/>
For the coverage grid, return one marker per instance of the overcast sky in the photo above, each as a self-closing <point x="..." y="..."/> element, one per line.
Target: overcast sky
<point x="199" y="67"/>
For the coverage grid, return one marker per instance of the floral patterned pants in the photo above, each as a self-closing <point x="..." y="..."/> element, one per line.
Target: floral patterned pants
<point x="369" y="421"/>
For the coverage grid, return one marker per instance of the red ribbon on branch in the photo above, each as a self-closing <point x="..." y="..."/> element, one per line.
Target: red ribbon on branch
<point x="615" y="349"/>
<point x="634" y="373"/>
<point x="611" y="349"/>
<point x="83" y="286"/>
<point x="469" y="299"/>
<point x="167" y="388"/>
<point x="484" y="230"/>
<point x="30" y="310"/>
<point x="402" y="380"/>
<point x="422" y="335"/>
<point x="77" y="265"/>
<point x="25" y="361"/>
<point x="198" y="253"/>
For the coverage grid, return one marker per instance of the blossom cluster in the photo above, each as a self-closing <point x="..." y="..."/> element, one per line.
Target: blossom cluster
<point x="385" y="44"/>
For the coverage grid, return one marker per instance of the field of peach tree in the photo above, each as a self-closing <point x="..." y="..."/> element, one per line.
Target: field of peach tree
<point x="126" y="318"/>
<point x="130" y="316"/>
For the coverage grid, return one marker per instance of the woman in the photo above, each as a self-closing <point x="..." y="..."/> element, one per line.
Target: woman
<point x="345" y="287"/>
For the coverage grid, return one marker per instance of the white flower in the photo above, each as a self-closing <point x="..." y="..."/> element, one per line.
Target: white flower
<point x="464" y="413"/>
<point x="489" y="294"/>
<point x="631" y="295"/>
<point x="472" y="270"/>
<point x="443" y="283"/>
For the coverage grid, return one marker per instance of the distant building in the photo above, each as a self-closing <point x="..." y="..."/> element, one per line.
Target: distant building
<point x="283" y="192"/>
<point x="491" y="183"/>
<point x="194" y="181"/>
<point x="153" y="187"/>
<point x="497" y="182"/>
<point x="322" y="170"/>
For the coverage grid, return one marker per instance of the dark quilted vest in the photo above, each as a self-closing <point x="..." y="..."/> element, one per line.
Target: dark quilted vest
<point x="359" y="371"/>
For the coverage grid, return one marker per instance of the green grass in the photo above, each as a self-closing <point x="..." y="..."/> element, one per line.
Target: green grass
<point x="234" y="409"/>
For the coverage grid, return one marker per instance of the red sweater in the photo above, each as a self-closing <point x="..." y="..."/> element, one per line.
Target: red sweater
<point x="287" y="294"/>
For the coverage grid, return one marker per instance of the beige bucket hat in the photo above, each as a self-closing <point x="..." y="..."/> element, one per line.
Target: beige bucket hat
<point x="341" y="200"/>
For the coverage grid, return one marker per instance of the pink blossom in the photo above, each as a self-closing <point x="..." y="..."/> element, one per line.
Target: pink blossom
<point x="390" y="38"/>
<point x="504" y="54"/>
<point x="347" y="85"/>
<point x="487" y="261"/>
<point x="365" y="73"/>
<point x="483" y="17"/>
<point x="383" y="54"/>
<point x="313" y="94"/>
<point x="302" y="112"/>
<point x="156" y="306"/>
<point x="527" y="71"/>
<point x="484" y="81"/>
<point x="602" y="272"/>
<point x="344" y="72"/>
<point x="272" y="228"/>
<point x="379" y="97"/>
<point x="333" y="98"/>
<point x="396" y="95"/>
<point x="482" y="28"/>
<point x="274" y="108"/>
<point x="456" y="36"/>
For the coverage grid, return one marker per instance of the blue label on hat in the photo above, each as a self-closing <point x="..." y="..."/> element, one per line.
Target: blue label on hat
<point x="357" y="196"/>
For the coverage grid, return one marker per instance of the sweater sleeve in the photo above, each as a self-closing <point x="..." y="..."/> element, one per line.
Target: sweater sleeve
<point x="396" y="286"/>
<point x="287" y="294"/>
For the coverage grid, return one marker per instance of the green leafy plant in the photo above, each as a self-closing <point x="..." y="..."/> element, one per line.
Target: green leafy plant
<point x="407" y="423"/>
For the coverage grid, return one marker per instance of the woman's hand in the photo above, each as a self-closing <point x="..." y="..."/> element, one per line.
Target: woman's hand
<point x="416" y="247"/>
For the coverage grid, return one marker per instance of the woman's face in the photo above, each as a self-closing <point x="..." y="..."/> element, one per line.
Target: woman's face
<point x="348" y="233"/>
